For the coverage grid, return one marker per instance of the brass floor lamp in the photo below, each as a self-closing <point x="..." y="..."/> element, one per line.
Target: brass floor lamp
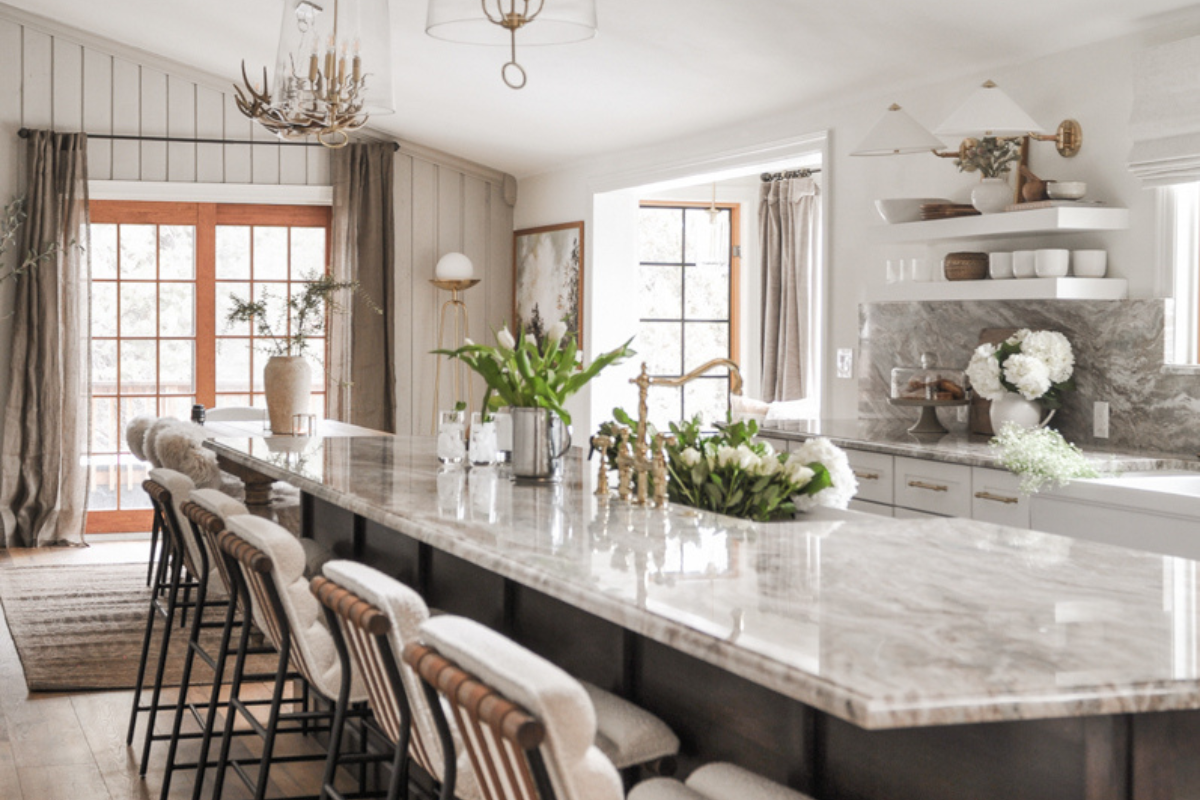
<point x="455" y="307"/>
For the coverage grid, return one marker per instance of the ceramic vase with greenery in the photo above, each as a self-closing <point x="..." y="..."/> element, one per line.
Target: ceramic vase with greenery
<point x="992" y="158"/>
<point x="287" y="377"/>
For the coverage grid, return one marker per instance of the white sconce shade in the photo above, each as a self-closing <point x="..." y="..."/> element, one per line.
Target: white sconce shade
<point x="989" y="112"/>
<point x="897" y="134"/>
<point x="558" y="21"/>
<point x="454" y="267"/>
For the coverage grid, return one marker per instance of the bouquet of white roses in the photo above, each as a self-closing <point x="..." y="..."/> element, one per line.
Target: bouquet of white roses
<point x="730" y="473"/>
<point x="1036" y="364"/>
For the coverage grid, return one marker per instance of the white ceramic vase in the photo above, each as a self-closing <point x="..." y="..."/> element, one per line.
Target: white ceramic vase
<point x="992" y="195"/>
<point x="288" y="384"/>
<point x="1014" y="408"/>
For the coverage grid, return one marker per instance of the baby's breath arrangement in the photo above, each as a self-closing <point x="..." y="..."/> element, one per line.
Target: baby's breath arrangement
<point x="1040" y="456"/>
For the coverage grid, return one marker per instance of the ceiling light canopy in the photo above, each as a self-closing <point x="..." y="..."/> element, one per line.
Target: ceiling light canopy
<point x="989" y="112"/>
<point x="897" y="133"/>
<point x="496" y="22"/>
<point x="333" y="70"/>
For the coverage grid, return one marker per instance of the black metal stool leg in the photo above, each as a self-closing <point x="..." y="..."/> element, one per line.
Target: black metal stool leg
<point x="164" y="647"/>
<point x="141" y="675"/>
<point x="239" y="666"/>
<point x="185" y="684"/>
<point x="210" y="712"/>
<point x="264" y="769"/>
<point x="153" y="563"/>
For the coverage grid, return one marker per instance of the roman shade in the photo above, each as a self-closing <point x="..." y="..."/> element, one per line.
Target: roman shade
<point x="1165" y="122"/>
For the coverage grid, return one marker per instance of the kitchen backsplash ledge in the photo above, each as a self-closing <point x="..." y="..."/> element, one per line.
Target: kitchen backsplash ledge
<point x="1119" y="354"/>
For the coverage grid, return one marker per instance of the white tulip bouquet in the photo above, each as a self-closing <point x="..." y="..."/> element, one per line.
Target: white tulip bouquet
<point x="1038" y="365"/>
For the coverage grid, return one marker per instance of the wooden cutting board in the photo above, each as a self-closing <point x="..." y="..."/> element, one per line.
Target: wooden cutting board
<point x="979" y="420"/>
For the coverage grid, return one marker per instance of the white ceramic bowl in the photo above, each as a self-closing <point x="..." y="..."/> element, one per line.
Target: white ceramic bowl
<point x="896" y="210"/>
<point x="1089" y="263"/>
<point x="1000" y="265"/>
<point x="1023" y="264"/>
<point x="1066" y="190"/>
<point x="1051" y="263"/>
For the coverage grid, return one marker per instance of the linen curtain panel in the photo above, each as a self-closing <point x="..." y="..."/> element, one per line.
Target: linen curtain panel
<point x="43" y="480"/>
<point x="361" y="343"/>
<point x="788" y="230"/>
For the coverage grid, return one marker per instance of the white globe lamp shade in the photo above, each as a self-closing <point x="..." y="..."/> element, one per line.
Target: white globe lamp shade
<point x="454" y="267"/>
<point x="897" y="133"/>
<point x="989" y="112"/>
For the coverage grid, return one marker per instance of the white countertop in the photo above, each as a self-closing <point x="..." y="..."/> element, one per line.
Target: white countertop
<point x="884" y="623"/>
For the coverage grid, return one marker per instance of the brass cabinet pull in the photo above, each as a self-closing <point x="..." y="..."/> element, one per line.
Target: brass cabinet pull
<point x="998" y="498"/>
<point x="933" y="487"/>
<point x="866" y="476"/>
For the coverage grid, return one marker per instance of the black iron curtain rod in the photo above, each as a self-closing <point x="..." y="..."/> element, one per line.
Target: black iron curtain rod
<point x="767" y="177"/>
<point x="25" y="132"/>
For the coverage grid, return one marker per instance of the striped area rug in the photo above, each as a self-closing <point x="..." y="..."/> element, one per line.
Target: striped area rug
<point x="81" y="627"/>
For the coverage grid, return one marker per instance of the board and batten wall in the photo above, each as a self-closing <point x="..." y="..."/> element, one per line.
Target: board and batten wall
<point x="55" y="77"/>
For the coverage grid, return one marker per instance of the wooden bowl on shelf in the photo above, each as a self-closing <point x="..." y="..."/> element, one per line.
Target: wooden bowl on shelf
<point x="965" y="266"/>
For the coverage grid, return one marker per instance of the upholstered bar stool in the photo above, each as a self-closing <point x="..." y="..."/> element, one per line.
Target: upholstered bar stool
<point x="135" y="440"/>
<point x="630" y="736"/>
<point x="266" y="564"/>
<point x="528" y="726"/>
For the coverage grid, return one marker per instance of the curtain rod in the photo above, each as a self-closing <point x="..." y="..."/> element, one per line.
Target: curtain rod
<point x="24" y="133"/>
<point x="767" y="177"/>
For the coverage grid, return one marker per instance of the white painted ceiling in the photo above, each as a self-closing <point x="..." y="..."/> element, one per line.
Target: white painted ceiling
<point x="658" y="69"/>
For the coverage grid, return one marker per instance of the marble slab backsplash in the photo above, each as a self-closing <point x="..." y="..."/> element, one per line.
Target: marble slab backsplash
<point x="1119" y="355"/>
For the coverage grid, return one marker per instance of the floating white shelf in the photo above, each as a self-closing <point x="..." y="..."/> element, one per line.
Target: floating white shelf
<point x="1012" y="223"/>
<point x="1010" y="289"/>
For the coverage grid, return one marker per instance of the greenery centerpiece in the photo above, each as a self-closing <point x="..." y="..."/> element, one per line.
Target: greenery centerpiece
<point x="287" y="377"/>
<point x="731" y="473"/>
<point x="524" y="372"/>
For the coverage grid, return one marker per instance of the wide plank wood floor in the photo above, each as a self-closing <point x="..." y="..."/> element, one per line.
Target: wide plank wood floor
<point x="72" y="746"/>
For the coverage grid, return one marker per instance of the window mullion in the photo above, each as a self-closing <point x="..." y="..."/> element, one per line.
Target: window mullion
<point x="206" y="304"/>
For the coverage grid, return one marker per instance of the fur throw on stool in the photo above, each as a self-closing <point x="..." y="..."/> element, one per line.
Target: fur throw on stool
<point x="179" y="447"/>
<point x="135" y="435"/>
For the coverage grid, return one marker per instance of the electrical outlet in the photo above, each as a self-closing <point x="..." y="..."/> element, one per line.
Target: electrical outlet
<point x="845" y="362"/>
<point x="1100" y="419"/>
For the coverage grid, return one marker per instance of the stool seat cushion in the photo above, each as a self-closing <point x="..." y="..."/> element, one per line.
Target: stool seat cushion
<point x="578" y="770"/>
<point x="628" y="734"/>
<point x="722" y="781"/>
<point x="313" y="643"/>
<point x="219" y="503"/>
<point x="663" y="789"/>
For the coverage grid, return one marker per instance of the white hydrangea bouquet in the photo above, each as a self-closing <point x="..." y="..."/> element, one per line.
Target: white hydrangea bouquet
<point x="1035" y="364"/>
<point x="730" y="473"/>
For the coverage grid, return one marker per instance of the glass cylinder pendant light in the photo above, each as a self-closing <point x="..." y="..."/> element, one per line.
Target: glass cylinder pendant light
<point x="333" y="70"/>
<point x="496" y="22"/>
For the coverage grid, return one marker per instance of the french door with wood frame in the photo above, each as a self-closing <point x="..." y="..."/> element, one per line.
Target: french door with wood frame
<point x="162" y="276"/>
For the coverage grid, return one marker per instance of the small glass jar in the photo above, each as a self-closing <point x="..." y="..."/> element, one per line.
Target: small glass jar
<point x="452" y="437"/>
<point x="482" y="450"/>
<point x="928" y="382"/>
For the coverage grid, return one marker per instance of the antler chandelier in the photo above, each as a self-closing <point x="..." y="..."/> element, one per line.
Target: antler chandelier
<point x="332" y="71"/>
<point x="558" y="22"/>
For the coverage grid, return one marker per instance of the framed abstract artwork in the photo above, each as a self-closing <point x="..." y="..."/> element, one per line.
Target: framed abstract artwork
<point x="548" y="278"/>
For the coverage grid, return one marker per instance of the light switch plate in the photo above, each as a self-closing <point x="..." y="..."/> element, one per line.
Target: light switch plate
<point x="845" y="362"/>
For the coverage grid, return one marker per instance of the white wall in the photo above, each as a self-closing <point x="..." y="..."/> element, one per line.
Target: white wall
<point x="1091" y="84"/>
<point x="68" y="80"/>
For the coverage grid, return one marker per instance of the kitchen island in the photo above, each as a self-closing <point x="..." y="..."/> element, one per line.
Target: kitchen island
<point x="848" y="656"/>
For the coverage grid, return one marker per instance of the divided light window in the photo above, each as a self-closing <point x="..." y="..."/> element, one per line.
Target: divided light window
<point x="162" y="274"/>
<point x="688" y="293"/>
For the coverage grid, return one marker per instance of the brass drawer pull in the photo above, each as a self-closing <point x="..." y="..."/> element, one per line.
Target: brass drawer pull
<point x="933" y="487"/>
<point x="866" y="476"/>
<point x="999" y="498"/>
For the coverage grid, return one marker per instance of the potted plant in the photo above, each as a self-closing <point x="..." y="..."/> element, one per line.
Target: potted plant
<point x="287" y="377"/>
<point x="992" y="158"/>
<point x="1025" y="373"/>
<point x="535" y="379"/>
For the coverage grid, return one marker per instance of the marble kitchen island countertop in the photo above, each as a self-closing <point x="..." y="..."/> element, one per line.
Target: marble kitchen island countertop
<point x="880" y="622"/>
<point x="891" y="437"/>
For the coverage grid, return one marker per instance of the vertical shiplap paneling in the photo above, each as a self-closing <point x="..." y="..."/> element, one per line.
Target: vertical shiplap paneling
<point x="11" y="74"/>
<point x="97" y="111"/>
<point x="126" y="119"/>
<point x="67" y="80"/>
<point x="37" y="91"/>
<point x="293" y="164"/>
<point x="403" y="270"/>
<point x="424" y="301"/>
<point x="475" y="246"/>
<point x="318" y="166"/>
<point x="264" y="158"/>
<point x="499" y="267"/>
<point x="154" y="123"/>
<point x="237" y="156"/>
<point x="181" y="123"/>
<point x="210" y="124"/>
